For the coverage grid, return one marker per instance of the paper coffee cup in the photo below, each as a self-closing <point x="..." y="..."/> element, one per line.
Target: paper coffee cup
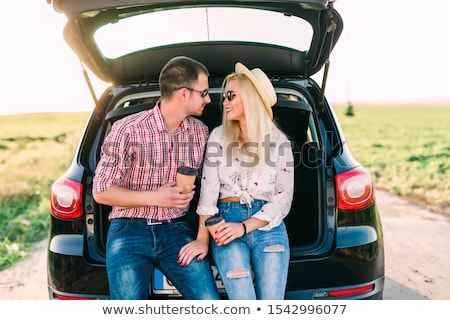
<point x="186" y="176"/>
<point x="212" y="223"/>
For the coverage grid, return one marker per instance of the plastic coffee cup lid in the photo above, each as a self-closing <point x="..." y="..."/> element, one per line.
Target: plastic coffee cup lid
<point x="213" y="220"/>
<point x="188" y="171"/>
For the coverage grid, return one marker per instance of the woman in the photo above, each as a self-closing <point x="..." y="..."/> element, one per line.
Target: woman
<point x="248" y="176"/>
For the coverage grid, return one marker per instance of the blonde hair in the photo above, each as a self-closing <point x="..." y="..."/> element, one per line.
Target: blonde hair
<point x="260" y="126"/>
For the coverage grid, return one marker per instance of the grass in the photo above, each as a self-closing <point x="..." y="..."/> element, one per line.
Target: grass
<point x="35" y="149"/>
<point x="405" y="149"/>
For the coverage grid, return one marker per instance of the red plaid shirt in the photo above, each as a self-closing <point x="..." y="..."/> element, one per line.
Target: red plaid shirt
<point x="140" y="154"/>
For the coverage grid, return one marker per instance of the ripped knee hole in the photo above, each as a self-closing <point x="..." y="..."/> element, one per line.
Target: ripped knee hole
<point x="238" y="273"/>
<point x="276" y="248"/>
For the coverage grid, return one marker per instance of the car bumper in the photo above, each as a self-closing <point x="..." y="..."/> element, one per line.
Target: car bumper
<point x="355" y="271"/>
<point x="372" y="290"/>
<point x="69" y="274"/>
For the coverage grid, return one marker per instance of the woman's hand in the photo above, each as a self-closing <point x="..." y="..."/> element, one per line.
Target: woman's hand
<point x="229" y="231"/>
<point x="194" y="249"/>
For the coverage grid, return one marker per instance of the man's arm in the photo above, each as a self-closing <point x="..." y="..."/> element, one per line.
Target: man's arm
<point x="168" y="196"/>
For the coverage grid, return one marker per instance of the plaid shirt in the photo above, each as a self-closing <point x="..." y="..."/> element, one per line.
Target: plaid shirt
<point x="140" y="154"/>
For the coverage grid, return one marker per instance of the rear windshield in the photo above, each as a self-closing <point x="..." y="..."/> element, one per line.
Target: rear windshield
<point x="188" y="25"/>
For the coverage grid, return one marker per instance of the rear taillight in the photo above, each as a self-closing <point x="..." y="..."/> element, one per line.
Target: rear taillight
<point x="65" y="199"/>
<point x="354" y="189"/>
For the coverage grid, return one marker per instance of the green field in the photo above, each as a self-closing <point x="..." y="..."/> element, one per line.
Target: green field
<point x="35" y="149"/>
<point x="404" y="148"/>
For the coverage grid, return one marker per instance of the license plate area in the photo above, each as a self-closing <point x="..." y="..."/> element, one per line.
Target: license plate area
<point x="162" y="286"/>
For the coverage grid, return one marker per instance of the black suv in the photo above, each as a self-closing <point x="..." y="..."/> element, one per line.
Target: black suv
<point x="336" y="239"/>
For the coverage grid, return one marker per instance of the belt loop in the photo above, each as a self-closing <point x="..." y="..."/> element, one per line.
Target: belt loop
<point x="150" y="223"/>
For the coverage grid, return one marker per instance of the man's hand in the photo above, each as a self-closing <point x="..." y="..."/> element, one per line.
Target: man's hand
<point x="170" y="196"/>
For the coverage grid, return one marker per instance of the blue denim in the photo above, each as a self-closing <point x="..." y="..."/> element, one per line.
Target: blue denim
<point x="265" y="252"/>
<point x="133" y="250"/>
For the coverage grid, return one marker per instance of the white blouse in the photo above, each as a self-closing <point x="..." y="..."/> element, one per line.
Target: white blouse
<point x="226" y="177"/>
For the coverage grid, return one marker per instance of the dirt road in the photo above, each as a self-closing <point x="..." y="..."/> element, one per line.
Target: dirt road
<point x="417" y="263"/>
<point x="26" y="280"/>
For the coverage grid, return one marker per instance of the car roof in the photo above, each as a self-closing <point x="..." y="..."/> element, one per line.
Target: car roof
<point x="87" y="17"/>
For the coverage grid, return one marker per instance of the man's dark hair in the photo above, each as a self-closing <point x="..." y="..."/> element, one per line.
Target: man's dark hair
<point x="179" y="72"/>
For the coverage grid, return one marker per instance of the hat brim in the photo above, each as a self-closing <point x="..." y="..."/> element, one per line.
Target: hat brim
<point x="241" y="69"/>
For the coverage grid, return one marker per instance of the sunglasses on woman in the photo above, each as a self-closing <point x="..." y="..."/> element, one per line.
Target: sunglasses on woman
<point x="229" y="95"/>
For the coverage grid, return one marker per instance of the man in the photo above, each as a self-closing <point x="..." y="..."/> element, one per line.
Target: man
<point x="136" y="176"/>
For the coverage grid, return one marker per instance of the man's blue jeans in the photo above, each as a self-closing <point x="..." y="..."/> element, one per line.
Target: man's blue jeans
<point x="133" y="249"/>
<point x="266" y="252"/>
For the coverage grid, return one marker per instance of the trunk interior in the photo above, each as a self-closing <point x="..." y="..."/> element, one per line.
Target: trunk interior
<point x="295" y="118"/>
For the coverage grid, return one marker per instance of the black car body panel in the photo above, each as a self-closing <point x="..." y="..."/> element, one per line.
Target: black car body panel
<point x="336" y="239"/>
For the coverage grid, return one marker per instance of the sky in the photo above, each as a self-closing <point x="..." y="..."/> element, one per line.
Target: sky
<point x="390" y="51"/>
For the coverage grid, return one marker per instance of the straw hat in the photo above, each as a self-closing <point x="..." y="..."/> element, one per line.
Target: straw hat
<point x="262" y="85"/>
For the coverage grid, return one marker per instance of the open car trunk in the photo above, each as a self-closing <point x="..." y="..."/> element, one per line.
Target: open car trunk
<point x="295" y="117"/>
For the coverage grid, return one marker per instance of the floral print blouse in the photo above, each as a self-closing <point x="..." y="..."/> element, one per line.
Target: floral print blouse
<point x="224" y="176"/>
